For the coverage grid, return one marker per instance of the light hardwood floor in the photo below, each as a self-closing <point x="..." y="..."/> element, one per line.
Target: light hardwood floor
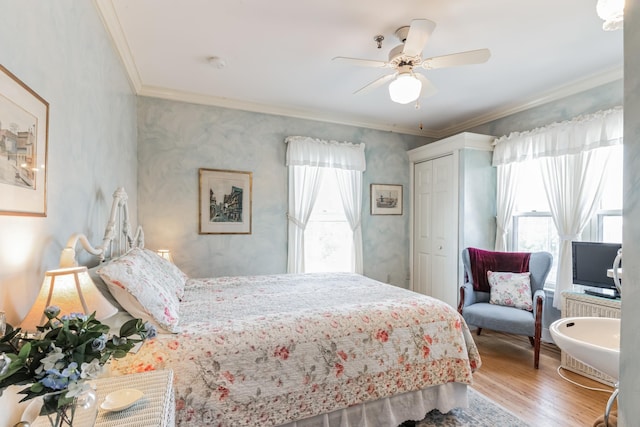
<point x="539" y="397"/>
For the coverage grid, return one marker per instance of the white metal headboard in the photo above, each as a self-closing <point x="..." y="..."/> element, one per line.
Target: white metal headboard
<point x="117" y="235"/>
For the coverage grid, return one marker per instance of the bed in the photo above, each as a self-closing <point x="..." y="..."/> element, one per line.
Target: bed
<point x="291" y="349"/>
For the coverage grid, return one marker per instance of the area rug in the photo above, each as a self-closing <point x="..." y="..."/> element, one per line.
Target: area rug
<point x="482" y="412"/>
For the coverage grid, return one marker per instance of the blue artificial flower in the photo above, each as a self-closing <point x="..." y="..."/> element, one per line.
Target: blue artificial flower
<point x="150" y="331"/>
<point x="54" y="380"/>
<point x="52" y="311"/>
<point x="72" y="316"/>
<point x="71" y="372"/>
<point x="99" y="343"/>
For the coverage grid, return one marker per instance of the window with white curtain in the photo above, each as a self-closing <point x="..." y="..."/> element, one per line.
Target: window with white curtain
<point x="322" y="176"/>
<point x="328" y="238"/>
<point x="607" y="225"/>
<point x="533" y="228"/>
<point x="573" y="160"/>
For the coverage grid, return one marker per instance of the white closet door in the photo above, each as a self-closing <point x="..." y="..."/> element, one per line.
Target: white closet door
<point x="435" y="230"/>
<point x="423" y="194"/>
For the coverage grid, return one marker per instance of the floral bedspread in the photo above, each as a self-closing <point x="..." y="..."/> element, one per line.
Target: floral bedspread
<point x="267" y="350"/>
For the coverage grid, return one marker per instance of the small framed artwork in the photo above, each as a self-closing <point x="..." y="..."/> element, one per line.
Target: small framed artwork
<point x="225" y="201"/>
<point x="24" y="125"/>
<point x="386" y="199"/>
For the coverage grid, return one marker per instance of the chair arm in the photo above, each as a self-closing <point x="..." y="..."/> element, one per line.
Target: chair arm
<point x="467" y="296"/>
<point x="538" y="298"/>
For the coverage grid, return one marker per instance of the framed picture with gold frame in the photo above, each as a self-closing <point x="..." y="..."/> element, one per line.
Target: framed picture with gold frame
<point x="24" y="127"/>
<point x="225" y="201"/>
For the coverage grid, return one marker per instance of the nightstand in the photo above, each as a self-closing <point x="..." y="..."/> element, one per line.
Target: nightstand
<point x="156" y="408"/>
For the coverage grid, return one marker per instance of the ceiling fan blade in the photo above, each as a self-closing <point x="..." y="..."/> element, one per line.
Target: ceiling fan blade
<point x="419" y="32"/>
<point x="375" y="84"/>
<point x="428" y="89"/>
<point x="455" y="59"/>
<point x="361" y="62"/>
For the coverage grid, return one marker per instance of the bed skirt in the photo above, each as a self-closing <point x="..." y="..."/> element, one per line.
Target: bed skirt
<point x="394" y="410"/>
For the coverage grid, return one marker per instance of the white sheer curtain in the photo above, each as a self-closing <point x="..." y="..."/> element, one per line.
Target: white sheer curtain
<point x="572" y="172"/>
<point x="306" y="158"/>
<point x="574" y="185"/>
<point x="350" y="185"/>
<point x="507" y="183"/>
<point x="304" y="182"/>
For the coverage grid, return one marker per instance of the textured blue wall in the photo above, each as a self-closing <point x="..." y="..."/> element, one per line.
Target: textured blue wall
<point x="61" y="50"/>
<point x="175" y="139"/>
<point x="599" y="98"/>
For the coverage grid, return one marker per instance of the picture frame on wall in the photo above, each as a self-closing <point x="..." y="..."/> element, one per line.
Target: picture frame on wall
<point x="225" y="201"/>
<point x="386" y="199"/>
<point x="24" y="127"/>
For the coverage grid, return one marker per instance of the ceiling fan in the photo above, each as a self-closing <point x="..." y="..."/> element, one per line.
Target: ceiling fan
<point x="406" y="85"/>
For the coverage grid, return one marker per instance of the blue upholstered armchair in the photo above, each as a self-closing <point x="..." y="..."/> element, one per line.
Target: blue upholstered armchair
<point x="477" y="311"/>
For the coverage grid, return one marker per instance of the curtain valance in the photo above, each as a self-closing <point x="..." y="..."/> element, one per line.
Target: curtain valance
<point x="583" y="133"/>
<point x="305" y="151"/>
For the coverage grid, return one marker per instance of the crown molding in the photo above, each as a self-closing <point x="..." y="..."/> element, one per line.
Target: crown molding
<point x="114" y="29"/>
<point x="110" y="20"/>
<point x="195" y="98"/>
<point x="551" y="95"/>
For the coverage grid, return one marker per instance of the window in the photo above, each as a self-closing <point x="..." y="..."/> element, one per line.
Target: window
<point x="533" y="227"/>
<point x="608" y="223"/>
<point x="327" y="247"/>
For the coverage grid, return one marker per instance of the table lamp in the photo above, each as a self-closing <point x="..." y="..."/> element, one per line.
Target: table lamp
<point x="73" y="291"/>
<point x="166" y="254"/>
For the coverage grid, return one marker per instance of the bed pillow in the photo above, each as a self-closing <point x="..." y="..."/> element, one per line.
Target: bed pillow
<point x="134" y="282"/>
<point x="173" y="279"/>
<point x="103" y="288"/>
<point x="511" y="289"/>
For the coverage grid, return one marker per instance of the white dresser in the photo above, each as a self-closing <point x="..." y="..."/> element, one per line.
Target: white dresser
<point x="578" y="304"/>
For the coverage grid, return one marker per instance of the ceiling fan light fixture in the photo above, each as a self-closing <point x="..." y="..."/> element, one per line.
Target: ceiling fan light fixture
<point x="612" y="12"/>
<point x="405" y="88"/>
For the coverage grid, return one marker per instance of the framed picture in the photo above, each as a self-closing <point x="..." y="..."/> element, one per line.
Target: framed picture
<point x="386" y="199"/>
<point x="24" y="125"/>
<point x="225" y="202"/>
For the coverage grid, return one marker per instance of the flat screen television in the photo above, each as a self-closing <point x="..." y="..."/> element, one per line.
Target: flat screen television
<point x="591" y="260"/>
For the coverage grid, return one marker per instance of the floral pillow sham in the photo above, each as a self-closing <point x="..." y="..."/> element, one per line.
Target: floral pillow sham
<point x="137" y="285"/>
<point x="511" y="289"/>
<point x="172" y="278"/>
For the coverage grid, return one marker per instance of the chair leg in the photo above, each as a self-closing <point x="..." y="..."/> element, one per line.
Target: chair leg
<point x="538" y="334"/>
<point x="535" y="343"/>
<point x="478" y="331"/>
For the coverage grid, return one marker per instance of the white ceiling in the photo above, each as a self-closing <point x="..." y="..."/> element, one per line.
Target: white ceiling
<point x="278" y="56"/>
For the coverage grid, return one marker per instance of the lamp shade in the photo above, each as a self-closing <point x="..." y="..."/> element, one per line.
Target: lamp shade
<point x="405" y="88"/>
<point x="73" y="291"/>
<point x="166" y="254"/>
<point x="612" y="12"/>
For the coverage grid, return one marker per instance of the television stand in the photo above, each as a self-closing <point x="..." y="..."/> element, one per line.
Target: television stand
<point x="603" y="293"/>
